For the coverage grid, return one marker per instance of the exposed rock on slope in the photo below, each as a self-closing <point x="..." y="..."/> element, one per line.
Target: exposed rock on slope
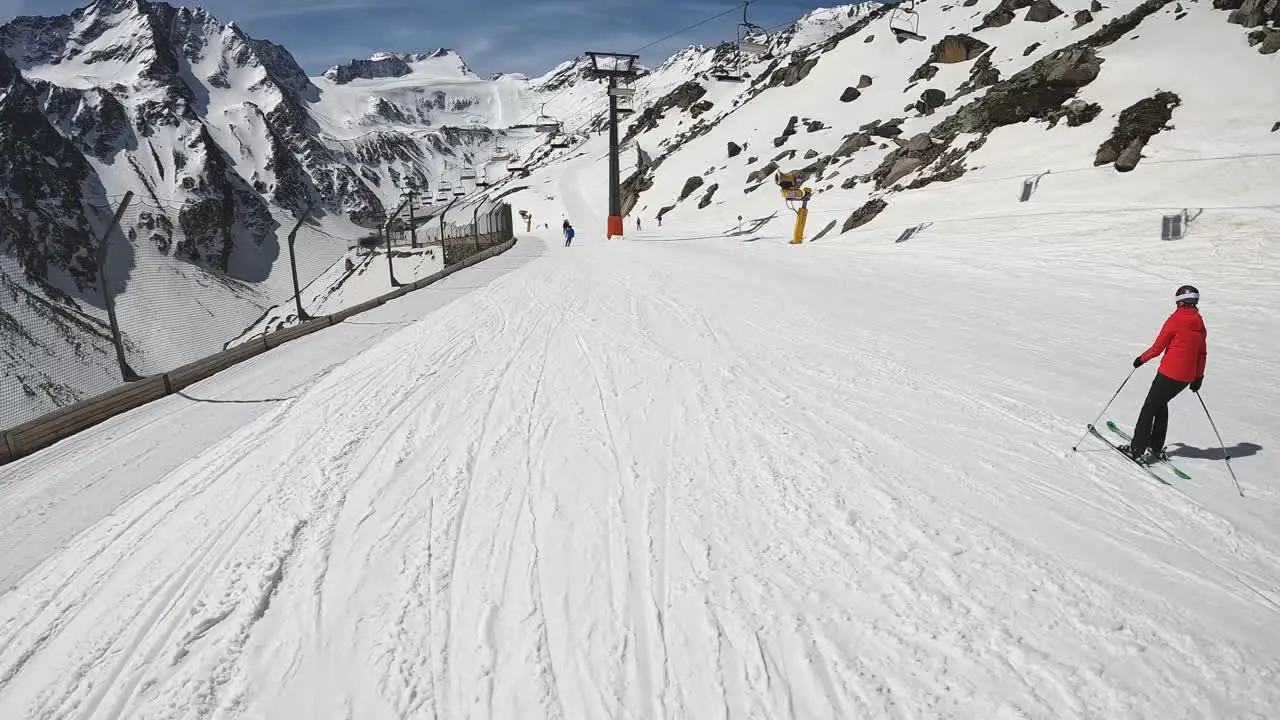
<point x="1136" y="125"/>
<point x="957" y="49"/>
<point x="1042" y="11"/>
<point x="691" y="185"/>
<point x="43" y="176"/>
<point x="864" y="214"/>
<point x="680" y="98"/>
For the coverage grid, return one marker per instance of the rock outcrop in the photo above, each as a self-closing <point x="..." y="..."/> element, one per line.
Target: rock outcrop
<point x="1043" y="11"/>
<point x="957" y="49"/>
<point x="864" y="214"/>
<point x="690" y="186"/>
<point x="1136" y="125"/>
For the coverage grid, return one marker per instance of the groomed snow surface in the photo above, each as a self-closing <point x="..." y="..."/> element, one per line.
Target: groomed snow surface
<point x="680" y="475"/>
<point x="691" y="475"/>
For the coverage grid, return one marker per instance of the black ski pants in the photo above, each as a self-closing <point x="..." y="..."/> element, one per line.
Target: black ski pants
<point x="1153" y="421"/>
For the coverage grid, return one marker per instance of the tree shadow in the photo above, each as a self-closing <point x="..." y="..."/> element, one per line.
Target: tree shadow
<point x="1239" y="450"/>
<point x="357" y="322"/>
<point x="751" y="227"/>
<point x="233" y="402"/>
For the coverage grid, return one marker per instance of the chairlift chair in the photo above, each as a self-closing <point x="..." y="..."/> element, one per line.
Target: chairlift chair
<point x="904" y="22"/>
<point x="514" y="165"/>
<point x="459" y="192"/>
<point x="723" y="74"/>
<point x="442" y="197"/>
<point x="745" y="29"/>
<point x="468" y="173"/>
<point x="546" y="123"/>
<point x="501" y="153"/>
<point x="559" y="141"/>
<point x="624" y="99"/>
<point x="746" y="46"/>
<point x="482" y="179"/>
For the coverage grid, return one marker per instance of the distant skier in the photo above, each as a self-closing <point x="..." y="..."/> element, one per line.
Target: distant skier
<point x="568" y="234"/>
<point x="1182" y="340"/>
<point x="637" y="223"/>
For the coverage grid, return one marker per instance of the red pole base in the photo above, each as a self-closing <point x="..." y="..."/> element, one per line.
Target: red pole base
<point x="615" y="226"/>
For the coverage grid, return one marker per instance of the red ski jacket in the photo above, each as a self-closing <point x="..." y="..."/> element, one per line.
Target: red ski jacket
<point x="1182" y="340"/>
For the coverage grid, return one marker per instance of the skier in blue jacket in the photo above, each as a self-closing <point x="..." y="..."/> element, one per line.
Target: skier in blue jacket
<point x="568" y="234"/>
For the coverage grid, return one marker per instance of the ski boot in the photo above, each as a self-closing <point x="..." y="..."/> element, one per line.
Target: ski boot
<point x="1128" y="451"/>
<point x="1151" y="457"/>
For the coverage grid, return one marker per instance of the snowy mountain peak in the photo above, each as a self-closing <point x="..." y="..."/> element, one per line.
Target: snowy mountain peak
<point x="569" y="72"/>
<point x="440" y="63"/>
<point x="116" y="6"/>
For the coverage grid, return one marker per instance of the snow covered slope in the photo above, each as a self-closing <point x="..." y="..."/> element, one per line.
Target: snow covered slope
<point x="698" y="472"/>
<point x="955" y="123"/>
<point x="673" y="476"/>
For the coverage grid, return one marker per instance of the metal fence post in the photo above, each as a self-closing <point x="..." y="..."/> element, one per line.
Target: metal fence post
<point x="443" y="213"/>
<point x="391" y="269"/>
<point x="413" y="222"/>
<point x="293" y="264"/>
<point x="117" y="338"/>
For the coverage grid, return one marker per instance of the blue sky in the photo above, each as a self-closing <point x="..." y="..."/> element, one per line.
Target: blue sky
<point x="528" y="36"/>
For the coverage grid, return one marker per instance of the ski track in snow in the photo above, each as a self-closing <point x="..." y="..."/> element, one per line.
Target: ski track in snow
<point x="684" y="476"/>
<point x="608" y="487"/>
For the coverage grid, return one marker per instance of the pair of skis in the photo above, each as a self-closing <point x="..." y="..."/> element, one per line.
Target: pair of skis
<point x="1146" y="468"/>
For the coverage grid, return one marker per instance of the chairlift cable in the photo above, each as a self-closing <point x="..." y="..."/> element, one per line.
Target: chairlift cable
<point x="591" y="107"/>
<point x="663" y="39"/>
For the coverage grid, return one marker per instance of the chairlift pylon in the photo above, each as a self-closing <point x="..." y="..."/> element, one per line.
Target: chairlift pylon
<point x="904" y="22"/>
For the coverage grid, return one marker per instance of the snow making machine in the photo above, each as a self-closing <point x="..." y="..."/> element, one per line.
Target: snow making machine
<point x="797" y="198"/>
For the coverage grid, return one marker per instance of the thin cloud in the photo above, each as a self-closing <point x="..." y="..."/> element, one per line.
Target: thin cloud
<point x="516" y="36"/>
<point x="297" y="11"/>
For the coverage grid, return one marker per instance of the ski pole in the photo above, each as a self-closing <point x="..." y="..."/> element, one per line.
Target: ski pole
<point x="1104" y="410"/>
<point x="1225" y="454"/>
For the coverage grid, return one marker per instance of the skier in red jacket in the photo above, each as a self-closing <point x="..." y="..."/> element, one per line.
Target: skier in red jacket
<point x="1182" y="340"/>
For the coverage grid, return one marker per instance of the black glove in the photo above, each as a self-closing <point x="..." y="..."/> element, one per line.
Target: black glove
<point x="1137" y="362"/>
<point x="1195" y="384"/>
